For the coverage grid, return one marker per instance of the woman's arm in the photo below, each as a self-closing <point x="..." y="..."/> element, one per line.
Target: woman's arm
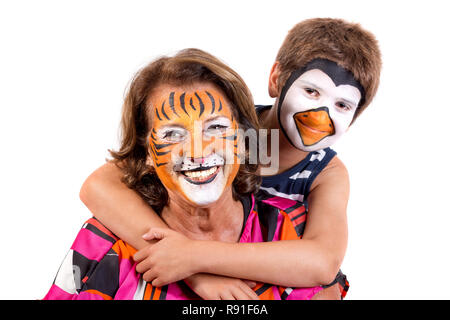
<point x="119" y="208"/>
<point x="312" y="261"/>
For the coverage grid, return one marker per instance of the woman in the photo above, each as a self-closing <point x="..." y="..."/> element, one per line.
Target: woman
<point x="181" y="151"/>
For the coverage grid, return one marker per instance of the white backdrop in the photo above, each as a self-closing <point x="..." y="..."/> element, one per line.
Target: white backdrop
<point x="64" y="67"/>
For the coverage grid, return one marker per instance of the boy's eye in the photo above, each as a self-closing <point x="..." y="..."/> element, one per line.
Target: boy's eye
<point x="342" y="105"/>
<point x="312" y="92"/>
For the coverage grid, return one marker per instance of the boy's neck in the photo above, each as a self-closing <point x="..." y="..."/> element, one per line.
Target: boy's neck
<point x="289" y="155"/>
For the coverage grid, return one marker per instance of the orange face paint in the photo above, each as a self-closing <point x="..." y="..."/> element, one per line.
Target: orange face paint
<point x="194" y="144"/>
<point x="314" y="125"/>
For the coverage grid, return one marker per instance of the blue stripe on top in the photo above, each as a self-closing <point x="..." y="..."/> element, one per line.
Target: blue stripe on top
<point x="296" y="182"/>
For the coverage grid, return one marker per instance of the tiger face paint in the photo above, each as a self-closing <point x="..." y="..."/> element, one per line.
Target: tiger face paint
<point x="194" y="143"/>
<point x="317" y="104"/>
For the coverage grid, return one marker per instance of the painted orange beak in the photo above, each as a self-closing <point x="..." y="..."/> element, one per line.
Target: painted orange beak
<point x="314" y="125"/>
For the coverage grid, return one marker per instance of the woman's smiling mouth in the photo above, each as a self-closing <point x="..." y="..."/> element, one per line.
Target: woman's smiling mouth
<point x="201" y="175"/>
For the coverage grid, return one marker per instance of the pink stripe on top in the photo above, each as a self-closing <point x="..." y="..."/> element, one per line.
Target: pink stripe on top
<point x="281" y="203"/>
<point x="56" y="292"/>
<point x="91" y="245"/>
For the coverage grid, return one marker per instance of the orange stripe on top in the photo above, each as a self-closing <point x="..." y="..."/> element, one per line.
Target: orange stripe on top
<point x="267" y="295"/>
<point x="124" y="250"/>
<point x="104" y="296"/>
<point x="287" y="229"/>
<point x="149" y="289"/>
<point x="100" y="227"/>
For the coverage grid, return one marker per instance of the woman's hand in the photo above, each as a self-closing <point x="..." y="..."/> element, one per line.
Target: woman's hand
<point x="168" y="260"/>
<point x="214" y="287"/>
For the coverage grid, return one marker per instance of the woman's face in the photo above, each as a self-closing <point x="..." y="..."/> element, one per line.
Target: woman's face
<point x="193" y="141"/>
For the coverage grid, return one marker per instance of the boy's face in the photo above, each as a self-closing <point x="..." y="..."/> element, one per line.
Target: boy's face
<point x="193" y="142"/>
<point x="318" y="105"/>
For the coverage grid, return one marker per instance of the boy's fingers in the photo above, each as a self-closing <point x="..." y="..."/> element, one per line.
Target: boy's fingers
<point x="155" y="234"/>
<point x="143" y="266"/>
<point x="251" y="284"/>
<point x="251" y="294"/>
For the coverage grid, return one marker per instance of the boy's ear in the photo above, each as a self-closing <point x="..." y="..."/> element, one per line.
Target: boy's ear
<point x="273" y="80"/>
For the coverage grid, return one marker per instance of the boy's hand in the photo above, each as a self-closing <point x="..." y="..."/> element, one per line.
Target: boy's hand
<point x="166" y="261"/>
<point x="214" y="287"/>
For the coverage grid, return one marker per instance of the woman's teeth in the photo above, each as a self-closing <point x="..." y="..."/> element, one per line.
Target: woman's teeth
<point x="200" y="174"/>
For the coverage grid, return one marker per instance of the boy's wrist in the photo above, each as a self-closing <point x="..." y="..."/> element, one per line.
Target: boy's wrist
<point x="200" y="256"/>
<point x="196" y="257"/>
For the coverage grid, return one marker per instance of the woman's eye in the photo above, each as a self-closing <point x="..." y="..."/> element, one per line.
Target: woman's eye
<point x="312" y="92"/>
<point x="173" y="136"/>
<point x="216" y="128"/>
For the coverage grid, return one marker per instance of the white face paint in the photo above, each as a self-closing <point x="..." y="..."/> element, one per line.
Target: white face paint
<point x="315" y="112"/>
<point x="203" y="187"/>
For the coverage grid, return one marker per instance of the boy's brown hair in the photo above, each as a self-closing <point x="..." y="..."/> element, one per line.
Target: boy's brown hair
<point x="347" y="44"/>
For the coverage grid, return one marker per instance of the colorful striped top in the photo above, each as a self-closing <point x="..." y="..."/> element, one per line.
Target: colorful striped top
<point x="100" y="266"/>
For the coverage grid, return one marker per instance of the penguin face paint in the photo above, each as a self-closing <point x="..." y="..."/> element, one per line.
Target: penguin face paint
<point x="193" y="143"/>
<point x="317" y="104"/>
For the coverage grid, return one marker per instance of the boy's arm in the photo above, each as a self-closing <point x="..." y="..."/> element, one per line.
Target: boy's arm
<point x="119" y="208"/>
<point x="124" y="212"/>
<point x="312" y="261"/>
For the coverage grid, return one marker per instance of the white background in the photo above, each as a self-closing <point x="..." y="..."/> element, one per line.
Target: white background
<point x="64" y="67"/>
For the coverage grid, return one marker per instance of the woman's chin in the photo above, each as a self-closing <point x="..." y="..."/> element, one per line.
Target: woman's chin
<point x="203" y="193"/>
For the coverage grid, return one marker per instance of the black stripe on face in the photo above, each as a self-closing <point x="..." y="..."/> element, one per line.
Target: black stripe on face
<point x="171" y="103"/>
<point x="220" y="105"/>
<point x="192" y="105"/>
<point x="161" y="153"/>
<point x="157" y="114"/>
<point x="163" y="112"/>
<point x="156" y="157"/>
<point x="160" y="164"/>
<point x="233" y="137"/>
<point x="182" y="103"/>
<point x="160" y="146"/>
<point x="202" y="106"/>
<point x="213" y="102"/>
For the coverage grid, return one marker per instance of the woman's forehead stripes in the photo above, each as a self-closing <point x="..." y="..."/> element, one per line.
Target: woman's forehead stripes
<point x="163" y="111"/>
<point x="171" y="103"/>
<point x="202" y="106"/>
<point x="182" y="103"/>
<point x="213" y="102"/>
<point x="196" y="101"/>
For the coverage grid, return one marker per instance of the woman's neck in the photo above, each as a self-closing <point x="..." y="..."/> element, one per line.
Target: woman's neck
<point x="221" y="221"/>
<point x="288" y="154"/>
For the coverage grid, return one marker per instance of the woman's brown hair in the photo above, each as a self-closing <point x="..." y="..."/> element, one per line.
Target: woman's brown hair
<point x="187" y="67"/>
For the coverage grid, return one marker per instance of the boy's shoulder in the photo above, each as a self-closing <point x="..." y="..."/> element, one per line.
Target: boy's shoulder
<point x="334" y="172"/>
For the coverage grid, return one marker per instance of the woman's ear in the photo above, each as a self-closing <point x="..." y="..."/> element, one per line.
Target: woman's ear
<point x="273" y="80"/>
<point x="149" y="161"/>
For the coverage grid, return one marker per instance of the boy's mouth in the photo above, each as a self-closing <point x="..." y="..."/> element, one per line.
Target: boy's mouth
<point x="201" y="175"/>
